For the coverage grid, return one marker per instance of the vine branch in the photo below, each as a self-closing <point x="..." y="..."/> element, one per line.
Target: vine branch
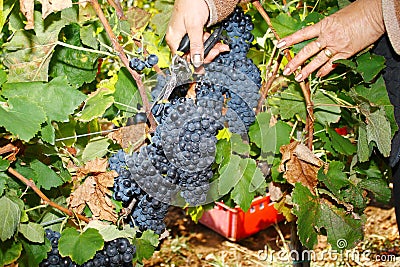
<point x="125" y="61"/>
<point x="304" y="87"/>
<point x="32" y="185"/>
<point x="265" y="88"/>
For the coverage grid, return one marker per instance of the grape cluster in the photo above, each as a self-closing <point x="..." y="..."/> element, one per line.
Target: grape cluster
<point x="188" y="132"/>
<point x="139" y="65"/>
<point x="233" y="76"/>
<point x="54" y="258"/>
<point x="238" y="27"/>
<point x="145" y="166"/>
<point x="150" y="214"/>
<point x="116" y="253"/>
<point x="125" y="187"/>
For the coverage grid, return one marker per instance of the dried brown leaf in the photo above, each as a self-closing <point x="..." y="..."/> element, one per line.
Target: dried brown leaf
<point x="299" y="164"/>
<point x="97" y="165"/>
<point x="27" y="8"/>
<point x="49" y="7"/>
<point x="94" y="192"/>
<point x="133" y="135"/>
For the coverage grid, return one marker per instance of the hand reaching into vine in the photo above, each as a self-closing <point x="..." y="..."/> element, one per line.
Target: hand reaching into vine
<point x="191" y="17"/>
<point x="338" y="36"/>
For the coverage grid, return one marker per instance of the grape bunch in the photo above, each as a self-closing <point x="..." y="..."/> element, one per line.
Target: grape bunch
<point x="118" y="252"/>
<point x="150" y="214"/>
<point x="233" y="76"/>
<point x="187" y="134"/>
<point x="146" y="166"/>
<point x="139" y="65"/>
<point x="125" y="187"/>
<point x="238" y="27"/>
<point x="54" y="259"/>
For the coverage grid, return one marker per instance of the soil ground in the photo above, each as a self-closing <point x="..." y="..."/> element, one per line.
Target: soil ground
<point x="191" y="244"/>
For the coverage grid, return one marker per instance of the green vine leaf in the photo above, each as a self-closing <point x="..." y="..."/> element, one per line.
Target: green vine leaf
<point x="22" y="117"/>
<point x="378" y="187"/>
<point x="285" y="24"/>
<point x="10" y="214"/>
<point x="110" y="232"/>
<point x="145" y="245"/>
<point x="161" y="20"/>
<point x="126" y="94"/>
<point x="81" y="247"/>
<point x="315" y="213"/>
<point x="252" y="179"/>
<point x="10" y="251"/>
<point x="28" y="54"/>
<point x="4" y="164"/>
<point x="340" y="143"/>
<point x="78" y="66"/>
<point x="33" y="253"/>
<point x="363" y="149"/>
<point x="292" y="103"/>
<point x="335" y="179"/>
<point x="46" y="178"/>
<point x="369" y="65"/>
<point x="325" y="110"/>
<point x="49" y="96"/>
<point x="230" y="175"/>
<point x="378" y="131"/>
<point x="32" y="231"/>
<point x="96" y="148"/>
<point x="97" y="103"/>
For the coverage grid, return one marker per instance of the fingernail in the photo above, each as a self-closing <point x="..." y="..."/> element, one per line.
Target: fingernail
<point x="281" y="44"/>
<point x="298" y="77"/>
<point x="197" y="60"/>
<point x="286" y="71"/>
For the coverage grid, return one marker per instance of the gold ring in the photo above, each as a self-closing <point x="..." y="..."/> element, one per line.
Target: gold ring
<point x="328" y="53"/>
<point x="318" y="45"/>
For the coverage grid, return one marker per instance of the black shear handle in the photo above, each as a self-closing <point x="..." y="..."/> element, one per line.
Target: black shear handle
<point x="212" y="40"/>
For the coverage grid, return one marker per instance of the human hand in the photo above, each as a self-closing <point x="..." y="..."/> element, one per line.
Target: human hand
<point x="339" y="36"/>
<point x="188" y="17"/>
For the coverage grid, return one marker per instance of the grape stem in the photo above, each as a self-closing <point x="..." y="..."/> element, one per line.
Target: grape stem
<point x="32" y="185"/>
<point x="121" y="53"/>
<point x="305" y="88"/>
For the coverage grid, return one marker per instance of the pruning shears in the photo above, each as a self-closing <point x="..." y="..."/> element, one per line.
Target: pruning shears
<point x="180" y="70"/>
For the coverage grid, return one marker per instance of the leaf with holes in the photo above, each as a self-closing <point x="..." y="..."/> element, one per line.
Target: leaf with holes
<point x="315" y="214"/>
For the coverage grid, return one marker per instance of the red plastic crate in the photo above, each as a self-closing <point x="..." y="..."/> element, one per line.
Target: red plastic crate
<point x="235" y="224"/>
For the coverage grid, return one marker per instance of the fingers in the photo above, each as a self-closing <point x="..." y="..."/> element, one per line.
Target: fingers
<point x="308" y="51"/>
<point x="322" y="62"/>
<point x="300" y="36"/>
<point x="174" y="36"/>
<point x="329" y="66"/>
<point x="215" y="51"/>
